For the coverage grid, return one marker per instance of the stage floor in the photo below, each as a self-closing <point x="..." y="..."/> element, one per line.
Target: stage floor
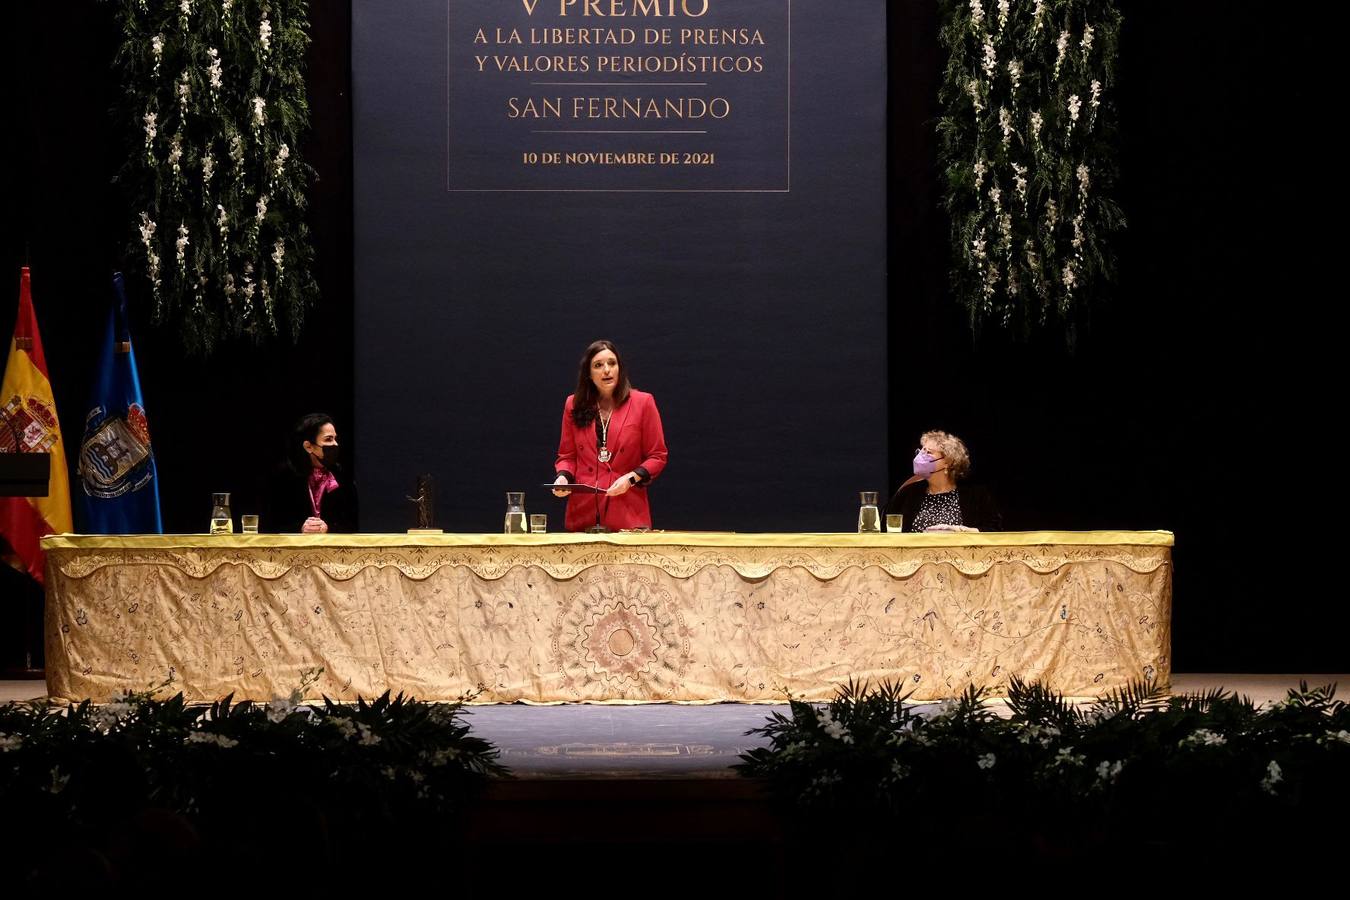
<point x="673" y="741"/>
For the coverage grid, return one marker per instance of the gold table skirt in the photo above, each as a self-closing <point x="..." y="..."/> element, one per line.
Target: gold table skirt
<point x="692" y="617"/>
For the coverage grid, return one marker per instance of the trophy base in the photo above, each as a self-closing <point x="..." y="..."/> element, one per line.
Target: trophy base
<point x="597" y="529"/>
<point x="425" y="531"/>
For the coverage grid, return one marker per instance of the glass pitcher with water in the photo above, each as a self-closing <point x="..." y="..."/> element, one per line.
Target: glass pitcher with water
<point x="222" y="522"/>
<point x="516" y="521"/>
<point x="869" y="517"/>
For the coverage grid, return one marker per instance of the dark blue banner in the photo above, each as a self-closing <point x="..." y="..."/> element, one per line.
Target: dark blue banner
<point x="752" y="308"/>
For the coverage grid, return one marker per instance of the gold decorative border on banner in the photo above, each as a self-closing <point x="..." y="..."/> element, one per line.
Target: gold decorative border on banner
<point x="565" y="556"/>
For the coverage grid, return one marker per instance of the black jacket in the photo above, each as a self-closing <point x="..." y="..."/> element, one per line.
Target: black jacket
<point x="289" y="505"/>
<point x="977" y="506"/>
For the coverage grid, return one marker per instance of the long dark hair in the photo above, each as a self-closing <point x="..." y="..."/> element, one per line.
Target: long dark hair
<point x="585" y="400"/>
<point x="307" y="429"/>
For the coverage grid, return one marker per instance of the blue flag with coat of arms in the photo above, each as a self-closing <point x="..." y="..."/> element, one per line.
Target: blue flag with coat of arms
<point x="119" y="488"/>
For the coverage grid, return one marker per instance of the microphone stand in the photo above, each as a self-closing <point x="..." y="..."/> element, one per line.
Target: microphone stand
<point x="598" y="528"/>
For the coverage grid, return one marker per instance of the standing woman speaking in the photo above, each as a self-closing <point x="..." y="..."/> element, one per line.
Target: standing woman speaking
<point x="611" y="439"/>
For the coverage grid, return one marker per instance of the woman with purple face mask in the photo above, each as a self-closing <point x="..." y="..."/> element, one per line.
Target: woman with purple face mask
<point x="934" y="499"/>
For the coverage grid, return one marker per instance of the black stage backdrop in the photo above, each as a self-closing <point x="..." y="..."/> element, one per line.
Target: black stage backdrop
<point x="758" y="320"/>
<point x="1198" y="403"/>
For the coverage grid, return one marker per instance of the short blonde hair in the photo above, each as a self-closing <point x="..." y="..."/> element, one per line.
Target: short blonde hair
<point x="953" y="449"/>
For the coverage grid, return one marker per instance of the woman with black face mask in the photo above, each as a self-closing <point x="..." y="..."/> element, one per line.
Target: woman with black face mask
<point x="311" y="493"/>
<point x="937" y="498"/>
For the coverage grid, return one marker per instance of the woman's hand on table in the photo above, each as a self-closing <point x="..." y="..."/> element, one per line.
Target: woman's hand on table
<point x="949" y="529"/>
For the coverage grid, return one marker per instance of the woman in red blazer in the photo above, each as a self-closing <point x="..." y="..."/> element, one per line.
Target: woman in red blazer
<point x="612" y="439"/>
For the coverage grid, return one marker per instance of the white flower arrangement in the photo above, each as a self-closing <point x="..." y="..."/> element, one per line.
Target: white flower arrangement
<point x="237" y="153"/>
<point x="147" y="230"/>
<point x="1020" y="182"/>
<point x="979" y="170"/>
<point x="184" y="90"/>
<point x="990" y="286"/>
<point x="279" y="256"/>
<point x="1066" y="757"/>
<point x="217" y="76"/>
<point x="990" y="62"/>
<point x="1003" y="8"/>
<point x="260" y="208"/>
<point x="1203" y="737"/>
<point x="976" y="14"/>
<point x="1061" y="48"/>
<point x="1274" y="775"/>
<point x="1005" y="123"/>
<point x="1084" y="180"/>
<point x="987" y="761"/>
<point x="441" y="756"/>
<point x="1051" y="214"/>
<point x="1086" y="42"/>
<point x="281" y="708"/>
<point x="10" y="742"/>
<point x="1033" y="258"/>
<point x="834" y="728"/>
<point x="175" y="157"/>
<point x="182" y="244"/>
<point x="207" y="737"/>
<point x="109" y="715"/>
<point x="995" y="194"/>
<point x="1015" y="74"/>
<point x="214" y="73"/>
<point x="1108" y="771"/>
<point x="973" y="88"/>
<point x="1037" y="122"/>
<point x="1037" y="16"/>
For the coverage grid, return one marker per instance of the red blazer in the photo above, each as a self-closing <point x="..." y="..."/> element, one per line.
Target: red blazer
<point x="635" y="439"/>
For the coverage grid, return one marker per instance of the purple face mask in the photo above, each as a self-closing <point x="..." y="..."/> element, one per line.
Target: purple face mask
<point x="925" y="464"/>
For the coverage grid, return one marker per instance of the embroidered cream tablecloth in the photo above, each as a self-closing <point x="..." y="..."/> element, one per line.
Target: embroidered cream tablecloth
<point x="623" y="617"/>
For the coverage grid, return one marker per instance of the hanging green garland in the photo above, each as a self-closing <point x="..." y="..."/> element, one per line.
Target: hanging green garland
<point x="1028" y="145"/>
<point x="215" y="102"/>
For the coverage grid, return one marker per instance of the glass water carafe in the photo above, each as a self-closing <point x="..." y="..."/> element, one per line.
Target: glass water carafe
<point x="221" y="520"/>
<point x="869" y="517"/>
<point x="516" y="521"/>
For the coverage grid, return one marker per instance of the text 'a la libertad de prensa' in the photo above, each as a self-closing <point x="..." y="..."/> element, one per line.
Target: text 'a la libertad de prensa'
<point x="621" y="37"/>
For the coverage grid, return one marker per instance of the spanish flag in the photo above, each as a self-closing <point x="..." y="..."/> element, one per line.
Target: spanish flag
<point x="28" y="424"/>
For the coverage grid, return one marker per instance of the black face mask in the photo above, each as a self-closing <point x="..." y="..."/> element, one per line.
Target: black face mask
<point x="332" y="456"/>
